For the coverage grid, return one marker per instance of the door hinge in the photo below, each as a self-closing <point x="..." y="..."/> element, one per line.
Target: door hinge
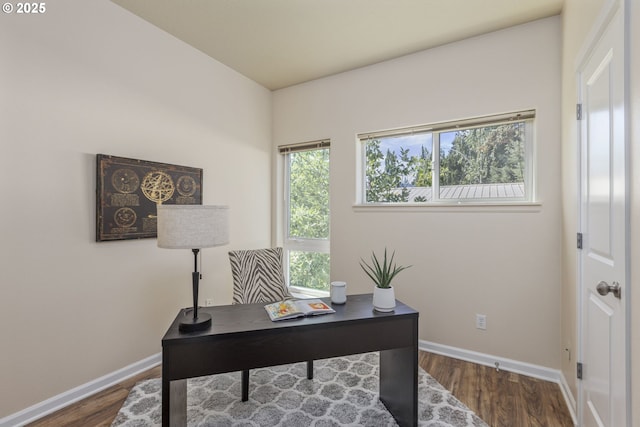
<point x="579" y="240"/>
<point x="579" y="111"/>
<point x="579" y="370"/>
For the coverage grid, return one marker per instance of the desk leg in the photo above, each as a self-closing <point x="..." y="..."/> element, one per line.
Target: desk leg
<point x="399" y="384"/>
<point x="174" y="403"/>
<point x="245" y="384"/>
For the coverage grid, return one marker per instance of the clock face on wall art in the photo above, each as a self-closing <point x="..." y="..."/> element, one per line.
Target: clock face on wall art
<point x="128" y="191"/>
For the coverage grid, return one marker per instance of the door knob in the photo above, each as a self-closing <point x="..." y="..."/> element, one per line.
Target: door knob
<point x="604" y="288"/>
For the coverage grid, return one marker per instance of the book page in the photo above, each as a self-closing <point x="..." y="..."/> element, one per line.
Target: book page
<point x="313" y="306"/>
<point x="283" y="310"/>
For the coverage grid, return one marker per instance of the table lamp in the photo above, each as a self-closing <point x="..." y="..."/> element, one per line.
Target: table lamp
<point x="193" y="227"/>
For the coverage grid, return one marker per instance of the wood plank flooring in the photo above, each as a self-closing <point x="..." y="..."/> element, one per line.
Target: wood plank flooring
<point x="500" y="398"/>
<point x="98" y="410"/>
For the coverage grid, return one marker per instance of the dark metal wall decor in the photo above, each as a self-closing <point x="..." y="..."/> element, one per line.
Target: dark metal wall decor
<point x="128" y="191"/>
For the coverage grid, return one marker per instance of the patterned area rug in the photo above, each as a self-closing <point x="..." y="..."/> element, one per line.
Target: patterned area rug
<point x="343" y="392"/>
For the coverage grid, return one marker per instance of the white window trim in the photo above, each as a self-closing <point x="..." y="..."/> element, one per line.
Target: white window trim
<point x="529" y="203"/>
<point x="298" y="244"/>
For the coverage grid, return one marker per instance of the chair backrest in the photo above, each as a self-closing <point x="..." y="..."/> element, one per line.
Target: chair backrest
<point x="258" y="276"/>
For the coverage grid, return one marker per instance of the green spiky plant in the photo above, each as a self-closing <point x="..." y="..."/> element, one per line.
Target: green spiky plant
<point x="382" y="273"/>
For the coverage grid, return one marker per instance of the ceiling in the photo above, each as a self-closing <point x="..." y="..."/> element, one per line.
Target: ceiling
<point x="279" y="43"/>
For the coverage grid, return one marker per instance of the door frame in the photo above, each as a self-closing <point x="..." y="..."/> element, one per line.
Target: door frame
<point x="600" y="26"/>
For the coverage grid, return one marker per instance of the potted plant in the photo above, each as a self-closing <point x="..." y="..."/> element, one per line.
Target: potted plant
<point x="382" y="274"/>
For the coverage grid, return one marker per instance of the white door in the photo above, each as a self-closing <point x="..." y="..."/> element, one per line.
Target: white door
<point x="604" y="224"/>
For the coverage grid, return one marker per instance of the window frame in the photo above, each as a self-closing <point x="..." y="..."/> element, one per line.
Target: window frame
<point x="290" y="243"/>
<point x="435" y="129"/>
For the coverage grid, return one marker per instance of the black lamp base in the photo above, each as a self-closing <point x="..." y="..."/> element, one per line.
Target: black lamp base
<point x="193" y="324"/>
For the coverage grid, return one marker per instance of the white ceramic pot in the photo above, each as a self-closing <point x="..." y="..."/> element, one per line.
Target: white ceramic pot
<point x="384" y="299"/>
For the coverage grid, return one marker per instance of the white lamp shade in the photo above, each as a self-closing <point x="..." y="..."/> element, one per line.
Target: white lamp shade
<point x="192" y="226"/>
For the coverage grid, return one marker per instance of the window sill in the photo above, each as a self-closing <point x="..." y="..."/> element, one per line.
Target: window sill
<point x="297" y="292"/>
<point x="519" y="206"/>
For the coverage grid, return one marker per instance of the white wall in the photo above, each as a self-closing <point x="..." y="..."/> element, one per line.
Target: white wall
<point x="505" y="264"/>
<point x="88" y="77"/>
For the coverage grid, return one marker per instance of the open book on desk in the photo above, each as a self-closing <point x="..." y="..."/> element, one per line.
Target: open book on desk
<point x="289" y="309"/>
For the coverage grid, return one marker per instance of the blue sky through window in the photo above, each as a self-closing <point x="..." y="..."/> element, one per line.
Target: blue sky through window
<point x="415" y="143"/>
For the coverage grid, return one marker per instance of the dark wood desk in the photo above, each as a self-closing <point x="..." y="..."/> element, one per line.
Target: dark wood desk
<point x="243" y="337"/>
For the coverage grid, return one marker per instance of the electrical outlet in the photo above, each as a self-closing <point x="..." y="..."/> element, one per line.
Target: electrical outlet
<point x="208" y="302"/>
<point x="481" y="321"/>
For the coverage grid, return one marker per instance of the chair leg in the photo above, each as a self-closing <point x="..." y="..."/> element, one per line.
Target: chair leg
<point x="245" y="385"/>
<point x="310" y="369"/>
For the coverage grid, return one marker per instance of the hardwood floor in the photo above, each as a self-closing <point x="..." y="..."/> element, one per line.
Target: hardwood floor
<point x="500" y="398"/>
<point x="97" y="410"/>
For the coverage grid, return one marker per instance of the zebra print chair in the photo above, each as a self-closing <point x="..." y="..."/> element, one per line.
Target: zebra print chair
<point x="258" y="277"/>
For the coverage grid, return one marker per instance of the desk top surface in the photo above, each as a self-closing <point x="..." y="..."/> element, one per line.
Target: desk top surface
<point x="247" y="318"/>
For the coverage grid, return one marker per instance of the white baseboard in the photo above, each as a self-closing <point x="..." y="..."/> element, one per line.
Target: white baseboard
<point x="568" y="397"/>
<point x="62" y="400"/>
<point x="505" y="364"/>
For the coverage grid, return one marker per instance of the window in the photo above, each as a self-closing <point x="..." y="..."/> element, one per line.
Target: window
<point x="306" y="212"/>
<point x="482" y="160"/>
